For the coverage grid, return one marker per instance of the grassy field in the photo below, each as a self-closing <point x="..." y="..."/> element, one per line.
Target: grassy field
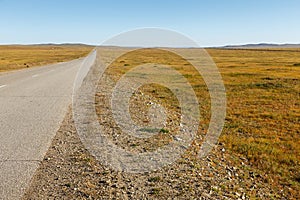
<point x="263" y="101"/>
<point x="263" y="115"/>
<point x="13" y="57"/>
<point x="263" y="108"/>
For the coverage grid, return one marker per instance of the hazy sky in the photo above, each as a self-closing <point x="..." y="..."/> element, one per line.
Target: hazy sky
<point x="208" y="22"/>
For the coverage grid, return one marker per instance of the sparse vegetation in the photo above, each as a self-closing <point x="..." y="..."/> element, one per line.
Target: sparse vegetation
<point x="164" y="130"/>
<point x="258" y="152"/>
<point x="263" y="111"/>
<point x="13" y="57"/>
<point x="154" y="179"/>
<point x="155" y="191"/>
<point x="296" y="65"/>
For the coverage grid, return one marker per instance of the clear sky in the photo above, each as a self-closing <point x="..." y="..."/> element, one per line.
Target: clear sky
<point x="208" y="22"/>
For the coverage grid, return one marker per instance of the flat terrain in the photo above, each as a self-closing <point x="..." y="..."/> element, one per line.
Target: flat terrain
<point x="258" y="155"/>
<point x="263" y="115"/>
<point x="13" y="57"/>
<point x="33" y="103"/>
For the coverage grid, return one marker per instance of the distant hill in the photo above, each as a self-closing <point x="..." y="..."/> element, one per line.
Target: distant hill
<point x="62" y="44"/>
<point x="50" y="44"/>
<point x="263" y="45"/>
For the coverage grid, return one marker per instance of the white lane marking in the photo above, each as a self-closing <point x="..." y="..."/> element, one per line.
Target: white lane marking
<point x="36" y="75"/>
<point x="2" y="86"/>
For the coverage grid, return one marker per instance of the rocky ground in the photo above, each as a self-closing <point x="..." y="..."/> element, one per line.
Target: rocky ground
<point x="70" y="172"/>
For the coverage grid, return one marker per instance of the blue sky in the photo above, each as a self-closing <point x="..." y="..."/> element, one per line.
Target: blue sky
<point x="208" y="22"/>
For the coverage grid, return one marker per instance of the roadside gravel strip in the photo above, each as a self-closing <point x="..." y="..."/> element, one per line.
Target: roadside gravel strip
<point x="68" y="171"/>
<point x="33" y="103"/>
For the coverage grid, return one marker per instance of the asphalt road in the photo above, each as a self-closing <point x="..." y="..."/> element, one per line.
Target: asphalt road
<point x="33" y="103"/>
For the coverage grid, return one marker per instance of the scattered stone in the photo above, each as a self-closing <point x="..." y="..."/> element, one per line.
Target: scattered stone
<point x="212" y="177"/>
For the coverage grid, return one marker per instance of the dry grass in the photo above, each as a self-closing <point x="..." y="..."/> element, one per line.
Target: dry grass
<point x="262" y="86"/>
<point x="13" y="57"/>
<point x="263" y="113"/>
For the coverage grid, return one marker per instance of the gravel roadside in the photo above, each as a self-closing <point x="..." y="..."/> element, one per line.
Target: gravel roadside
<point x="68" y="171"/>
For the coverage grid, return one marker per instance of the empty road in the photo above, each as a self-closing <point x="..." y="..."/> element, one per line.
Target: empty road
<point x="33" y="103"/>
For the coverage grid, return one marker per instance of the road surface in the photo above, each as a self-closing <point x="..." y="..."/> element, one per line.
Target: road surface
<point x="33" y="103"/>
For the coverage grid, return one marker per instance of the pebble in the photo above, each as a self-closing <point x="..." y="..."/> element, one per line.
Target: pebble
<point x="177" y="138"/>
<point x="213" y="182"/>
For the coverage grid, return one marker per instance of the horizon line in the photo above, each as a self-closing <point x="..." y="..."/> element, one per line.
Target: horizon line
<point x="261" y="44"/>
